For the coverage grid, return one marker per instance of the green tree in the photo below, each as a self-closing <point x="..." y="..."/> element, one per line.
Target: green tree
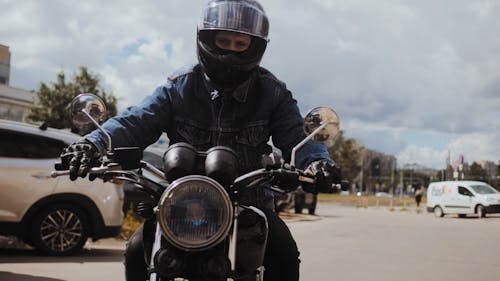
<point x="53" y="99"/>
<point x="495" y="182"/>
<point x="347" y="155"/>
<point x="476" y="172"/>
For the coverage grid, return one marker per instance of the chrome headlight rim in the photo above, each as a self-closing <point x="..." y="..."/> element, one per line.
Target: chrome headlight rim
<point x="224" y="229"/>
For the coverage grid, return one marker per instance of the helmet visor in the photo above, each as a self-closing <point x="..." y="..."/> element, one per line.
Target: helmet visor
<point x="245" y="17"/>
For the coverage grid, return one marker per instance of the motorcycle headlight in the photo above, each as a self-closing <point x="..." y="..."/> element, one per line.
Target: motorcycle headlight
<point x="195" y="212"/>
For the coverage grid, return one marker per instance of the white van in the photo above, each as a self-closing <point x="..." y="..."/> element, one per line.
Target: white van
<point x="462" y="198"/>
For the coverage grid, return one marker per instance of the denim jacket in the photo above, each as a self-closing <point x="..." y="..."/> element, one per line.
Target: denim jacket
<point x="190" y="109"/>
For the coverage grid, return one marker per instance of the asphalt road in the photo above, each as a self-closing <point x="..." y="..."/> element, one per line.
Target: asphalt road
<point x="342" y="243"/>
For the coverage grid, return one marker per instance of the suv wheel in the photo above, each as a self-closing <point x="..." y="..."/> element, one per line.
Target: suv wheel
<point x="60" y="230"/>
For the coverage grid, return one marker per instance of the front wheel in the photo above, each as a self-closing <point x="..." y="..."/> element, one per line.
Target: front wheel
<point x="60" y="230"/>
<point x="438" y="212"/>
<point x="481" y="211"/>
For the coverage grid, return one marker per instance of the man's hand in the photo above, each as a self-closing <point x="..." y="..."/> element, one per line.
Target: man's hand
<point x="326" y="173"/>
<point x="81" y="156"/>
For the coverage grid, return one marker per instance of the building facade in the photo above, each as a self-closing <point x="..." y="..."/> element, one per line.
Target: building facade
<point x="14" y="102"/>
<point x="4" y="65"/>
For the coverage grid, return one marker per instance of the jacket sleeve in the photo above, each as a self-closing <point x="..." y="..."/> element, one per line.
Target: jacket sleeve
<point x="139" y="125"/>
<point x="287" y="131"/>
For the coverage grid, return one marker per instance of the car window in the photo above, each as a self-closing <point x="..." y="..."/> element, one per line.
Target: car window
<point x="19" y="145"/>
<point x="484" y="189"/>
<point x="464" y="191"/>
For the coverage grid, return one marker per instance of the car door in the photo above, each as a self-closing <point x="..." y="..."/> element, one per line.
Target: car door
<point x="464" y="201"/>
<point x="26" y="161"/>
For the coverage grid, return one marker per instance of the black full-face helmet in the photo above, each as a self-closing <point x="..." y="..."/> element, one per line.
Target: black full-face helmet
<point x="225" y="68"/>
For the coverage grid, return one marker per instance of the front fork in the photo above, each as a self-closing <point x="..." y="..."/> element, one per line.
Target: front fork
<point x="156" y="247"/>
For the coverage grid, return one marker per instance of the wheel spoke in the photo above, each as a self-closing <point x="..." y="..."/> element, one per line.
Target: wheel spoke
<point x="61" y="214"/>
<point x="49" y="236"/>
<point x="47" y="226"/>
<point x="68" y="219"/>
<point x="54" y="222"/>
<point x="73" y="234"/>
<point x="76" y="225"/>
<point x="62" y="243"/>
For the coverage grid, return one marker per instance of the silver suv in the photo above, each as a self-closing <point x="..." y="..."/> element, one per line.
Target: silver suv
<point x="56" y="216"/>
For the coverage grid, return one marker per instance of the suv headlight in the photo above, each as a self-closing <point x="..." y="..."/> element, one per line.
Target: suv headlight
<point x="195" y="212"/>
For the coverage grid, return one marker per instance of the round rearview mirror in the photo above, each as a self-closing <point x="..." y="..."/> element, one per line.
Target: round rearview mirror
<point x="86" y="107"/>
<point x="324" y="118"/>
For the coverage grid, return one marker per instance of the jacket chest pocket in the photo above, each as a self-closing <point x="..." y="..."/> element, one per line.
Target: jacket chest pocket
<point x="253" y="135"/>
<point x="250" y="144"/>
<point x="195" y="135"/>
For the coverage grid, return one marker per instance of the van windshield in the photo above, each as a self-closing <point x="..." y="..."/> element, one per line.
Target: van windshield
<point x="484" y="189"/>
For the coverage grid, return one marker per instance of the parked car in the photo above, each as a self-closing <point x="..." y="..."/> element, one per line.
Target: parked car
<point x="305" y="200"/>
<point x="462" y="198"/>
<point x="55" y="215"/>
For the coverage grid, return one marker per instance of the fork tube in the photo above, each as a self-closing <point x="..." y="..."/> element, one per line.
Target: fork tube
<point x="232" y="241"/>
<point x="156" y="248"/>
<point x="157" y="172"/>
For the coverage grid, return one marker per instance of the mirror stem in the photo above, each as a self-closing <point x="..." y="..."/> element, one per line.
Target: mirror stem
<point x="298" y="146"/>
<point x="110" y="146"/>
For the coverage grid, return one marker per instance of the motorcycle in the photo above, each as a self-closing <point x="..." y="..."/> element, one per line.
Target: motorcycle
<point x="201" y="229"/>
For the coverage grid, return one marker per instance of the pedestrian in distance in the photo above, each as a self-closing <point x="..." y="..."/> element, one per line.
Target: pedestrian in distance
<point x="418" y="196"/>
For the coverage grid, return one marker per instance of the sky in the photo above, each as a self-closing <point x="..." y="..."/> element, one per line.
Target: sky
<point x="415" y="79"/>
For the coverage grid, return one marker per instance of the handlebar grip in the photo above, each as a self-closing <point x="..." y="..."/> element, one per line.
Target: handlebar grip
<point x="306" y="179"/>
<point x="56" y="174"/>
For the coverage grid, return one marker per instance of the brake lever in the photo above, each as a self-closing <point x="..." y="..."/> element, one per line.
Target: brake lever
<point x="94" y="170"/>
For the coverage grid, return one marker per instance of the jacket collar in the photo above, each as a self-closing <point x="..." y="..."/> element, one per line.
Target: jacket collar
<point x="239" y="93"/>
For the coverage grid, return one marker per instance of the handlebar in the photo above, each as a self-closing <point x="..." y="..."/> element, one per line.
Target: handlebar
<point x="287" y="176"/>
<point x="112" y="167"/>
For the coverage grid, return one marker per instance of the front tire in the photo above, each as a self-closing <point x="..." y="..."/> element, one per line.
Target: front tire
<point x="481" y="211"/>
<point x="438" y="212"/>
<point x="60" y="230"/>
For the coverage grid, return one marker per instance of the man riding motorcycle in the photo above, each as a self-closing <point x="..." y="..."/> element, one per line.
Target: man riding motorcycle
<point x="227" y="99"/>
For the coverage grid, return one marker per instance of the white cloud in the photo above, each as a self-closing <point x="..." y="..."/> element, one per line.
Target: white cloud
<point x="472" y="146"/>
<point x="424" y="156"/>
<point x="394" y="70"/>
<point x="477" y="146"/>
